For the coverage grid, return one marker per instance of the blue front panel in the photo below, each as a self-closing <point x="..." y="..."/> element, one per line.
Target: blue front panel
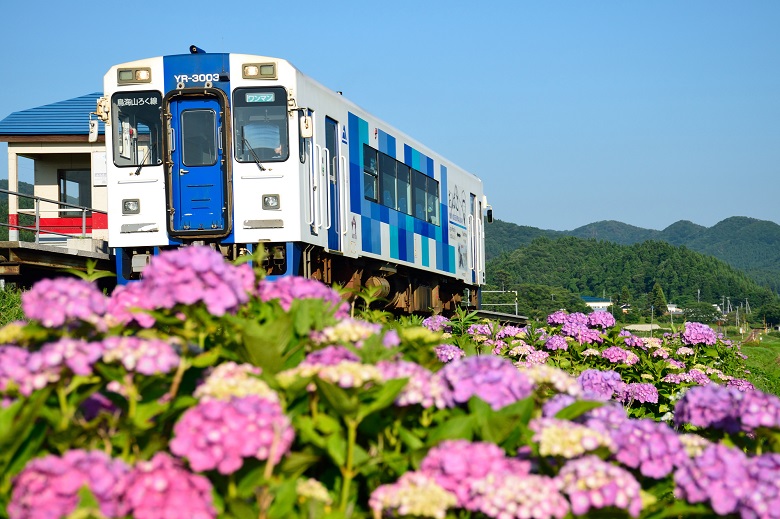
<point x="194" y="70"/>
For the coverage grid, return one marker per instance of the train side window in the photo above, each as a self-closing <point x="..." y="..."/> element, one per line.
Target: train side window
<point x="432" y="199"/>
<point x="419" y="194"/>
<point x="404" y="188"/>
<point x="370" y="173"/>
<point x="387" y="179"/>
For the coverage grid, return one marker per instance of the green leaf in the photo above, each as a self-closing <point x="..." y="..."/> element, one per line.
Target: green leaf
<point x="285" y="496"/>
<point x="382" y="397"/>
<point x="241" y="510"/>
<point x="342" y="402"/>
<point x="326" y="424"/>
<point x="456" y="428"/>
<point x="410" y="439"/>
<point x="250" y="481"/>
<point x="146" y="411"/>
<point x="87" y="499"/>
<point x="576" y="409"/>
<point x="264" y="345"/>
<point x="297" y="462"/>
<point x="206" y="359"/>
<point x="336" y="446"/>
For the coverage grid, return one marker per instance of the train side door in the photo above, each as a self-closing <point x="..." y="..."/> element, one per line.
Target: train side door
<point x="333" y="184"/>
<point x="197" y="174"/>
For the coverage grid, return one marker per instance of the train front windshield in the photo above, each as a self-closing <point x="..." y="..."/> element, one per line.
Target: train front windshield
<point x="260" y="124"/>
<point x="137" y="128"/>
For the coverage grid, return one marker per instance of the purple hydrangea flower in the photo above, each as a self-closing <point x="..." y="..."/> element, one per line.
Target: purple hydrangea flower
<point x="601" y="384"/>
<point x="96" y="404"/>
<point x="697" y="333"/>
<point x="330" y="356"/>
<point x="592" y="483"/>
<point x="185" y="276"/>
<point x="448" y="352"/>
<point x="709" y="406"/>
<point x="639" y="392"/>
<point x="424" y="387"/>
<point x="289" y="288"/>
<point x="523" y="496"/>
<point x="511" y="332"/>
<point x="764" y="500"/>
<point x="54" y="302"/>
<point x="218" y="434"/>
<point x="437" y="323"/>
<point x="601" y="319"/>
<point x="652" y="447"/>
<point x="493" y="379"/>
<point x="616" y="354"/>
<point x="49" y="486"/>
<point x="757" y="409"/>
<point x="631" y="340"/>
<point x="557" y="318"/>
<point x="130" y="303"/>
<point x="718" y="475"/>
<point x="556" y="342"/>
<point x="144" y="356"/>
<point x="161" y="487"/>
<point x="741" y="384"/>
<point x="457" y="464"/>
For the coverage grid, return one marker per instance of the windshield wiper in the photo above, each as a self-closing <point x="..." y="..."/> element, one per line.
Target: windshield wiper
<point x="254" y="155"/>
<point x="146" y="156"/>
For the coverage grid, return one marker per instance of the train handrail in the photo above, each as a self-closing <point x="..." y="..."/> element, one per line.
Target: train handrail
<point x="310" y="184"/>
<point x="37" y="212"/>
<point x="327" y="183"/>
<point x="343" y="193"/>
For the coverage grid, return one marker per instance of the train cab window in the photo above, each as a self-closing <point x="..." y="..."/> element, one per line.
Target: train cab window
<point x="370" y="173"/>
<point x="260" y="124"/>
<point x="199" y="137"/>
<point x="136" y="126"/>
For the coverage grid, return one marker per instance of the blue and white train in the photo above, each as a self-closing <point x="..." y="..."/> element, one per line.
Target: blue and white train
<point x="238" y="151"/>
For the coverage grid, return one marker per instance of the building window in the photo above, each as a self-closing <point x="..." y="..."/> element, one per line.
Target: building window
<point x="76" y="189"/>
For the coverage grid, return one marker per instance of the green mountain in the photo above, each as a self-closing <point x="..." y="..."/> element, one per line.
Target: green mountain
<point x="591" y="267"/>
<point x="747" y="244"/>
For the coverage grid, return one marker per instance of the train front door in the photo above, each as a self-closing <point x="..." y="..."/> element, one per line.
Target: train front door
<point x="334" y="183"/>
<point x="198" y="198"/>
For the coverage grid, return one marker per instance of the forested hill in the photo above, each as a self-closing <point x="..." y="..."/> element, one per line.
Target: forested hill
<point x="601" y="268"/>
<point x="748" y="244"/>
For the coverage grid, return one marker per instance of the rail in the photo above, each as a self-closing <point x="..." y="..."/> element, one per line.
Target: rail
<point x="37" y="212"/>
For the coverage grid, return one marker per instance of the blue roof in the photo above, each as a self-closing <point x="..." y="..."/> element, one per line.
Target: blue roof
<point x="68" y="117"/>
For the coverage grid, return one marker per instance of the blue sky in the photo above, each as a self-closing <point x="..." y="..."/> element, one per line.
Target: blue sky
<point x="571" y="111"/>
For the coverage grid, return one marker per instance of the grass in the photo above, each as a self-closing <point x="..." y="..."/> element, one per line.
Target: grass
<point x="764" y="362"/>
<point x="10" y="306"/>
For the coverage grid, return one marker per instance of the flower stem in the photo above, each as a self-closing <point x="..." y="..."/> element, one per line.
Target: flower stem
<point x="347" y="471"/>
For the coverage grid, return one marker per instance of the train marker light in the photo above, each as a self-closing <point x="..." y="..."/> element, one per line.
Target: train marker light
<point x="259" y="71"/>
<point x="129" y="76"/>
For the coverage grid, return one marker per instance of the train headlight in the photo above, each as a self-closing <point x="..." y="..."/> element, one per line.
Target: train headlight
<point x="125" y="76"/>
<point x="131" y="206"/>
<point x="259" y="71"/>
<point x="271" y="202"/>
